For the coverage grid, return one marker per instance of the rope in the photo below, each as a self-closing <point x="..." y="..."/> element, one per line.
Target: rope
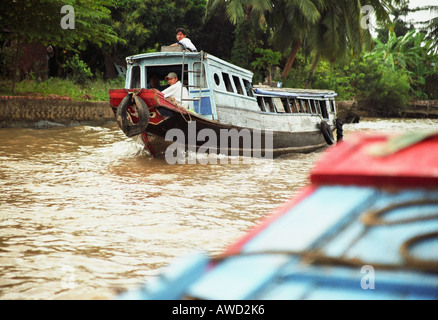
<point x="411" y="260"/>
<point x="372" y="218"/>
<point x="318" y="258"/>
<point x="180" y="109"/>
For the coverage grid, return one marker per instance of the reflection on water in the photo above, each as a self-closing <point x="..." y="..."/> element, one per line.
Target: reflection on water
<point x="84" y="211"/>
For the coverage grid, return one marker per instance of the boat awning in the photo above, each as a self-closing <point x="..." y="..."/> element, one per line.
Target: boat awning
<point x="295" y="94"/>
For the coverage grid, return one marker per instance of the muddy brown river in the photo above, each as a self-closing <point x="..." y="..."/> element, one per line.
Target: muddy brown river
<point x="86" y="213"/>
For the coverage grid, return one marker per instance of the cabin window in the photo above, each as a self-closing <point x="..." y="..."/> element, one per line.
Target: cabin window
<point x="301" y="106"/>
<point x="269" y="105"/>
<point x="217" y="79"/>
<point x="318" y="106"/>
<point x="309" y="106"/>
<point x="279" y="105"/>
<point x="237" y="85"/>
<point x="163" y="71"/>
<point x="313" y="106"/>
<point x="286" y="105"/>
<point x="248" y="88"/>
<point x="227" y="82"/>
<point x="261" y="103"/>
<point x="197" y="75"/>
<point x="332" y="105"/>
<point x="305" y="106"/>
<point x="135" y="77"/>
<point x="324" y="109"/>
<point x="293" y="106"/>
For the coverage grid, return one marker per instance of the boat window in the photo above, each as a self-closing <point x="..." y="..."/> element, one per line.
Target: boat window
<point x="217" y="79"/>
<point x="305" y="106"/>
<point x="163" y="71"/>
<point x="318" y="106"/>
<point x="237" y="85"/>
<point x="227" y="81"/>
<point x="300" y="107"/>
<point x="135" y="77"/>
<point x="286" y="105"/>
<point x="324" y="109"/>
<point x="197" y="75"/>
<point x="269" y="105"/>
<point x="152" y="72"/>
<point x="293" y="106"/>
<point x="279" y="105"/>
<point x="310" y="106"/>
<point x="248" y="88"/>
<point x="261" y="103"/>
<point x="313" y="106"/>
<point x="332" y="105"/>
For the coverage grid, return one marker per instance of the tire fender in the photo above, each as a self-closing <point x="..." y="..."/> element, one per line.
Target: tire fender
<point x="132" y="129"/>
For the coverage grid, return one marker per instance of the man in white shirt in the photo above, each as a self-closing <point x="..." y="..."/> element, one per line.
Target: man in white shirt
<point x="175" y="90"/>
<point x="186" y="43"/>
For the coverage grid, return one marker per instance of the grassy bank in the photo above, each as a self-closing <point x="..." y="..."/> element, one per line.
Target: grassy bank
<point x="95" y="90"/>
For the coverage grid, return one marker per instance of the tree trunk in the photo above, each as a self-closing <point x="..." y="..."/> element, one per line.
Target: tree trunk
<point x="312" y="69"/>
<point x="15" y="68"/>
<point x="290" y="60"/>
<point x="110" y="69"/>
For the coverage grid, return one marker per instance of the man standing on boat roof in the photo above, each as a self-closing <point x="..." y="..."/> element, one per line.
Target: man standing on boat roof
<point x="186" y="43"/>
<point x="175" y="90"/>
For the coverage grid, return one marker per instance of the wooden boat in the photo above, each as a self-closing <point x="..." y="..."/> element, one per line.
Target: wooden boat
<point x="226" y="114"/>
<point x="366" y="227"/>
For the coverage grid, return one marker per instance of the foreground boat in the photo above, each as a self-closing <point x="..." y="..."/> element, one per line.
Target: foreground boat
<point x="225" y="113"/>
<point x="365" y="228"/>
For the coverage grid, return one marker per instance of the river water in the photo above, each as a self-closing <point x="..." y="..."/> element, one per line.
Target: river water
<point x="86" y="213"/>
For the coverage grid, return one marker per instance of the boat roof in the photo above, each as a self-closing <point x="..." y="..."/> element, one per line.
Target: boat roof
<point x="187" y="55"/>
<point x="294" y="92"/>
<point x="166" y="55"/>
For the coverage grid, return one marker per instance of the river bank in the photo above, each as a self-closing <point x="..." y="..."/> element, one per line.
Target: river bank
<point x="43" y="112"/>
<point x="351" y="112"/>
<point x="30" y="111"/>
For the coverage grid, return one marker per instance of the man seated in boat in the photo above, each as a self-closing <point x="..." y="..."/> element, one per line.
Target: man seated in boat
<point x="175" y="90"/>
<point x="186" y="43"/>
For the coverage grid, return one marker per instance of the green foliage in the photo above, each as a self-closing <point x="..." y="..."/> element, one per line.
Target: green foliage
<point x="267" y="58"/>
<point x="399" y="67"/>
<point x="240" y="54"/>
<point x="96" y="90"/>
<point x="413" y="55"/>
<point x="148" y="24"/>
<point x="6" y="61"/>
<point x="80" y="73"/>
<point x="379" y="88"/>
<point x="40" y="21"/>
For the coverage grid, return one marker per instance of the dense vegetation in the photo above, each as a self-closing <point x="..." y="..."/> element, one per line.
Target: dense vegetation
<point x="301" y="43"/>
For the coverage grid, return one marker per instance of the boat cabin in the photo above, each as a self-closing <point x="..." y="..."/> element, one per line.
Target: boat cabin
<point x="218" y="89"/>
<point x="207" y="78"/>
<point x="297" y="101"/>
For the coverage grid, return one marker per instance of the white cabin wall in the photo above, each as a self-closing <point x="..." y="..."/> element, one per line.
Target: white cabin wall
<point x="268" y="121"/>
